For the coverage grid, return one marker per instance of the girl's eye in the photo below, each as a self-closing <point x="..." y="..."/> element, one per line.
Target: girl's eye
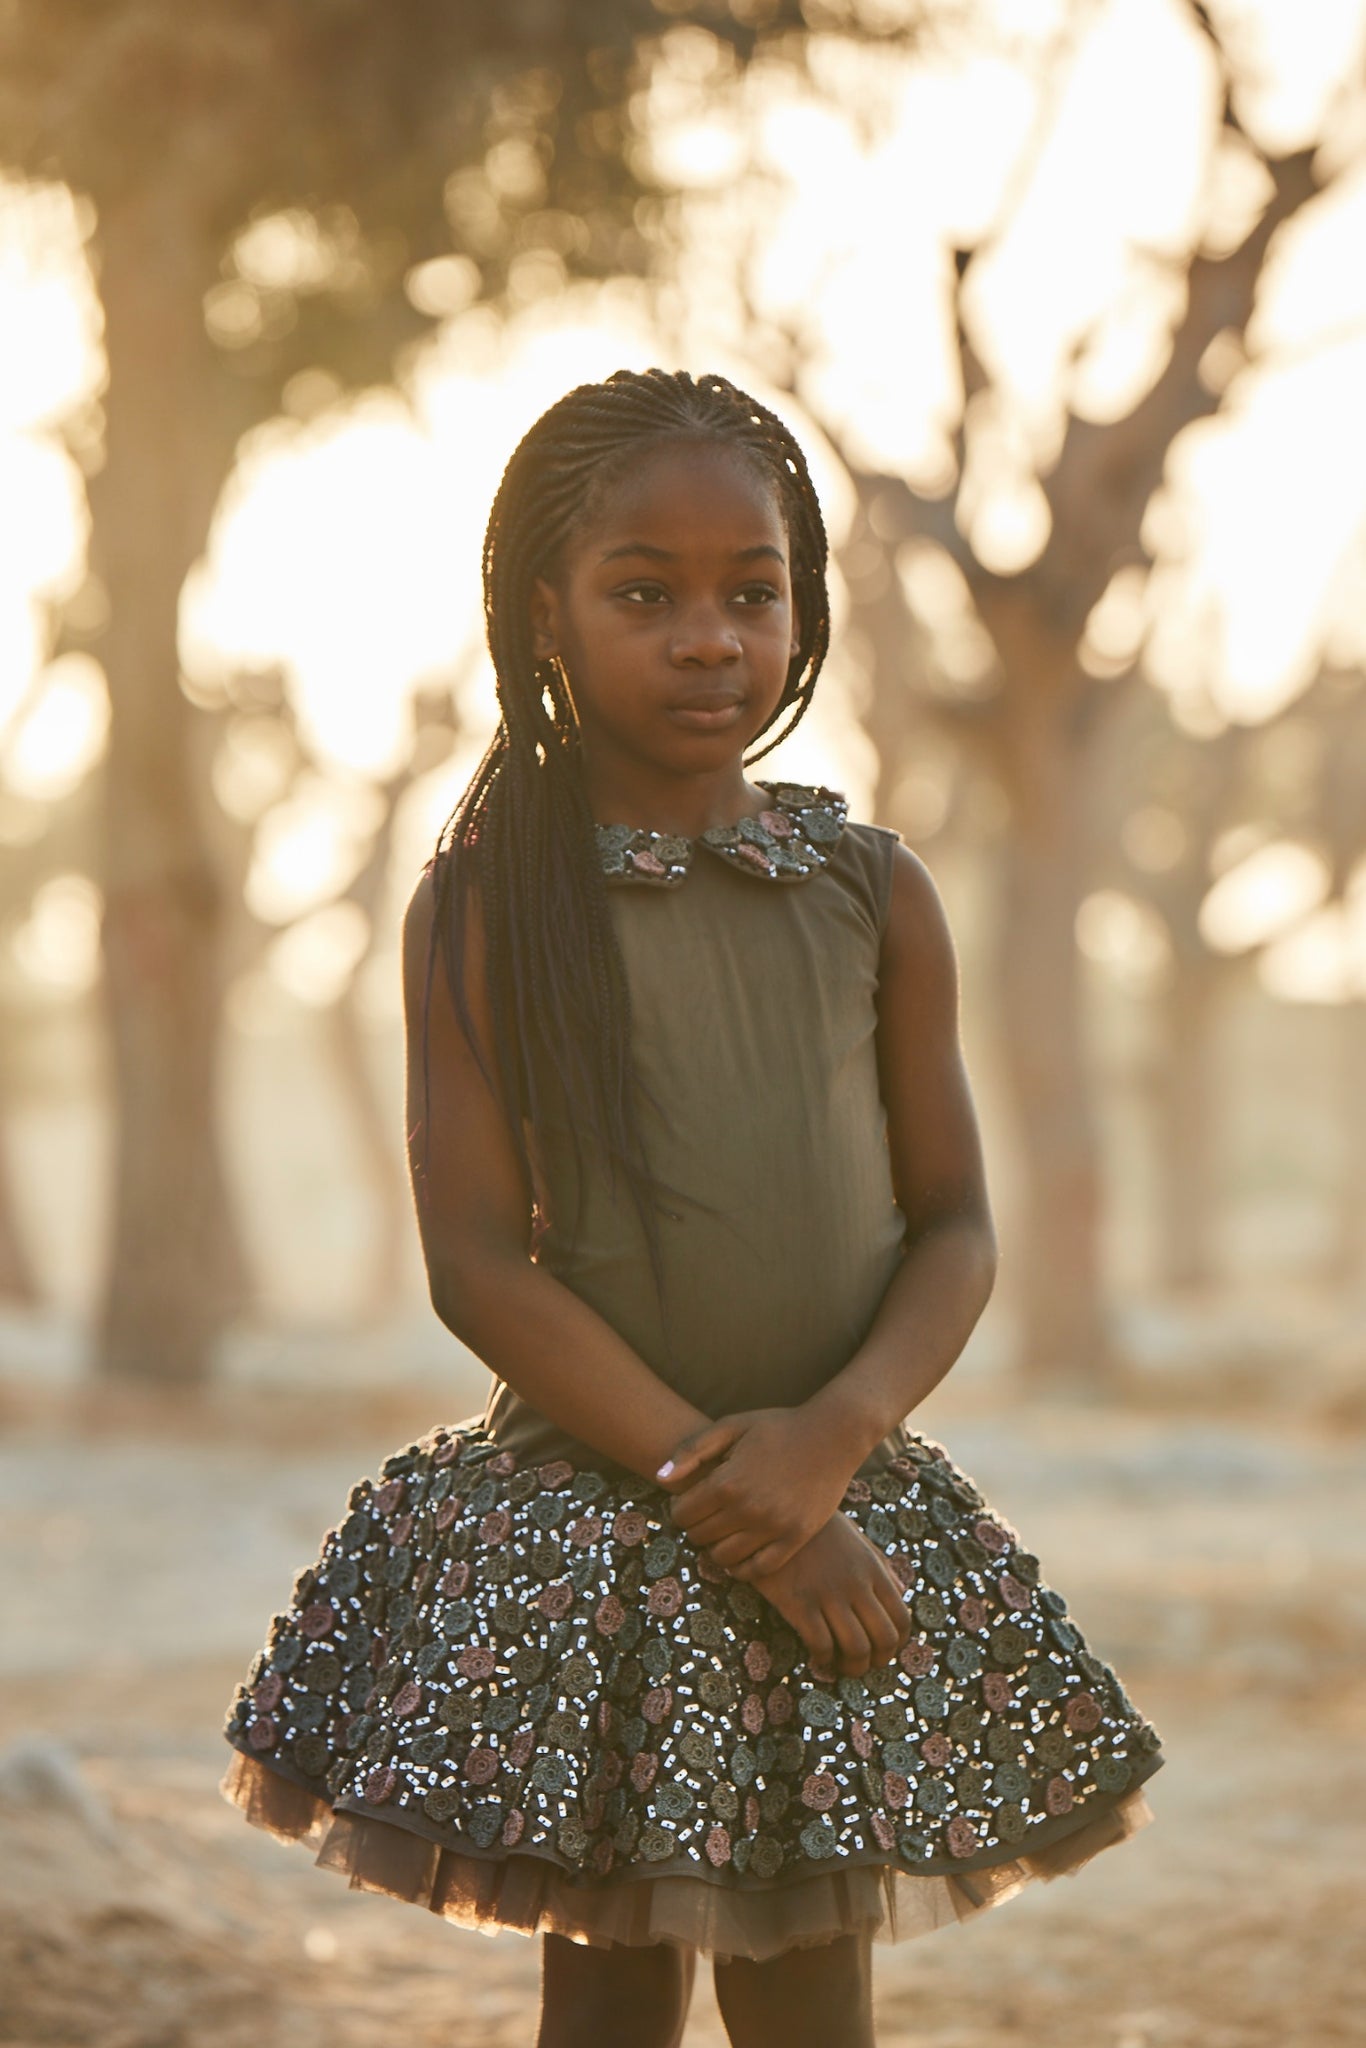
<point x="644" y="593"/>
<point x="758" y="593"/>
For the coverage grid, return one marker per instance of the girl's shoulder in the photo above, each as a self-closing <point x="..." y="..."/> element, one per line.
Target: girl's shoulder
<point x="864" y="861"/>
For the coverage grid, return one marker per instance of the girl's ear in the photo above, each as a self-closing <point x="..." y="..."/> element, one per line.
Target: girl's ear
<point x="545" y="608"/>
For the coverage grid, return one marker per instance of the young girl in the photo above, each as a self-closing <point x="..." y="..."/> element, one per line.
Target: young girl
<point x="688" y="1644"/>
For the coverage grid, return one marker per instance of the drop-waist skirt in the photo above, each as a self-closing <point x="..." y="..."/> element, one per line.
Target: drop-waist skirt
<point x="521" y="1698"/>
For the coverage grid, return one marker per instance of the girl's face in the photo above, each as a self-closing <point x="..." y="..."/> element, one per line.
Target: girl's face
<point x="673" y="615"/>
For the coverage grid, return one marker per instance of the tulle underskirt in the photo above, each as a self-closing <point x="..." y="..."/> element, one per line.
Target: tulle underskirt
<point x="528" y="1894"/>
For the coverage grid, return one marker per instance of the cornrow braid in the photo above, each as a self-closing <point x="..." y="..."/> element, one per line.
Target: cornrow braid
<point x="522" y="833"/>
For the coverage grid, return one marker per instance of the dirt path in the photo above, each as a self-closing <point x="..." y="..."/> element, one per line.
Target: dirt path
<point x="1221" y="1567"/>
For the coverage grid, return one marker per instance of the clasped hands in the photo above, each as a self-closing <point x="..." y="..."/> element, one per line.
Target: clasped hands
<point x="773" y="1482"/>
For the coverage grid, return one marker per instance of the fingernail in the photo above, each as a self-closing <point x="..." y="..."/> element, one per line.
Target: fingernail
<point x="665" y="1470"/>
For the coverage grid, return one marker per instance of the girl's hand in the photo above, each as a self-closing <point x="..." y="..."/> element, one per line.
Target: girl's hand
<point x="839" y="1594"/>
<point x="774" y="1480"/>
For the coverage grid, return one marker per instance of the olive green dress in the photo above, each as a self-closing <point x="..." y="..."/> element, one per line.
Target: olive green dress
<point x="511" y="1691"/>
<point x="753" y="1031"/>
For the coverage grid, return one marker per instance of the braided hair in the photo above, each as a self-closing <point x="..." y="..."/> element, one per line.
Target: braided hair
<point x="522" y="834"/>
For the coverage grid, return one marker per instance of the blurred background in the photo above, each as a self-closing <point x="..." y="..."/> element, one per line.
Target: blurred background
<point x="1066" y="299"/>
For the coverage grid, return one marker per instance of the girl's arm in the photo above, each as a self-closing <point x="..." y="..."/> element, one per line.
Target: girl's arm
<point x="474" y="1215"/>
<point x="782" y="1469"/>
<point x="474" y="1211"/>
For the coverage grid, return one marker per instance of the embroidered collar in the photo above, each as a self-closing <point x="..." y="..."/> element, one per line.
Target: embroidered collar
<point x="786" y="843"/>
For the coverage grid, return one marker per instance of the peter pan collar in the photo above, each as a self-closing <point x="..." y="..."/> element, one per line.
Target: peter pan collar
<point x="787" y="843"/>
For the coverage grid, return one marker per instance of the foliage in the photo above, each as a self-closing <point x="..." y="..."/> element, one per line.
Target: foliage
<point x="368" y="139"/>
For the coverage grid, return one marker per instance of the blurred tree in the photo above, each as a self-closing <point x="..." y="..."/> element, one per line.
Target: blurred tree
<point x="46" y="842"/>
<point x="259" y="717"/>
<point x="1034" y="717"/>
<point x="277" y="187"/>
<point x="1180" y="802"/>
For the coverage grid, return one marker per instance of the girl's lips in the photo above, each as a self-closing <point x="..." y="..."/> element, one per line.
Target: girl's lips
<point x="707" y="714"/>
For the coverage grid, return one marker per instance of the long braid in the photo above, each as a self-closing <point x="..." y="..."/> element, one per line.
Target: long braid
<point x="522" y="833"/>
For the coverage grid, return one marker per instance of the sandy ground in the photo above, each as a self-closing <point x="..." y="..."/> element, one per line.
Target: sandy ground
<point x="1219" y="1563"/>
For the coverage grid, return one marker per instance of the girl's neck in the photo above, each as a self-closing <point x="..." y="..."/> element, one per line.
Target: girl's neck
<point x="637" y="794"/>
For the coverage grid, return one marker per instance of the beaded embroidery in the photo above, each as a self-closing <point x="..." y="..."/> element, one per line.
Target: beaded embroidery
<point x="792" y="840"/>
<point x="499" y="1655"/>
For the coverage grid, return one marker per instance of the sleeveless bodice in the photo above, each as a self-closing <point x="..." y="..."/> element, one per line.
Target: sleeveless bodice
<point x="753" y="1034"/>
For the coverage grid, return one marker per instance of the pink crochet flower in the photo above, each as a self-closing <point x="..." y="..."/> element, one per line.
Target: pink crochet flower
<point x="657" y="1702"/>
<point x="916" y="1659"/>
<point x="513" y="1826"/>
<point x="752" y="1714"/>
<point x="937" y="1750"/>
<point x="611" y="1770"/>
<point x="448" y="1510"/>
<point x="961" y="1836"/>
<point x="755" y="855"/>
<point x="644" y="1766"/>
<point x="318" y="1620"/>
<point x="401" y="1531"/>
<point x="718" y="1846"/>
<point x="555" y="1600"/>
<point x="263" y="1734"/>
<point x="503" y="1465"/>
<point x="481" y="1766"/>
<point x="972" y="1615"/>
<point x="496" y="1526"/>
<point x="1058" y="1797"/>
<point x="585" y="1531"/>
<point x="1083" y="1712"/>
<point x="862" y="1738"/>
<point x="780" y="1706"/>
<point x="884" y="1834"/>
<point x="520" y="1748"/>
<point x="903" y="1569"/>
<point x="446" y="1452"/>
<point x="645" y="863"/>
<point x="557" y="1473"/>
<point x="268" y="1693"/>
<point x="895" y="1790"/>
<point x="408" y="1698"/>
<point x="857" y="1491"/>
<point x="457" y="1576"/>
<point x="608" y="1615"/>
<point x="1012" y="1592"/>
<point x="996" y="1691"/>
<point x="475" y="1662"/>
<point x="630" y="1527"/>
<point x="820" y="1791"/>
<point x="752" y="1814"/>
<point x="381" y="1784"/>
<point x="991" y="1536"/>
<point x="665" y="1597"/>
<point x="758" y="1661"/>
<point x="379" y="1648"/>
<point x="777" y="823"/>
<point x="389" y="1496"/>
<point x="607" y="1717"/>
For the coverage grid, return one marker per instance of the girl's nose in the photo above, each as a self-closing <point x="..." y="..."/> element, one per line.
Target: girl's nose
<point x="706" y="637"/>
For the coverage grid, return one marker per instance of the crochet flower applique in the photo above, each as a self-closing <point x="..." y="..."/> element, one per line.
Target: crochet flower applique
<point x="788" y="842"/>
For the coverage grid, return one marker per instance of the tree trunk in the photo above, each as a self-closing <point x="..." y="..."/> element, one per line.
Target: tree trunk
<point x="1186" y="1118"/>
<point x="1055" y="1280"/>
<point x="18" y="1282"/>
<point x="1347" y="1258"/>
<point x="170" y="1266"/>
<point x="385" y="1170"/>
